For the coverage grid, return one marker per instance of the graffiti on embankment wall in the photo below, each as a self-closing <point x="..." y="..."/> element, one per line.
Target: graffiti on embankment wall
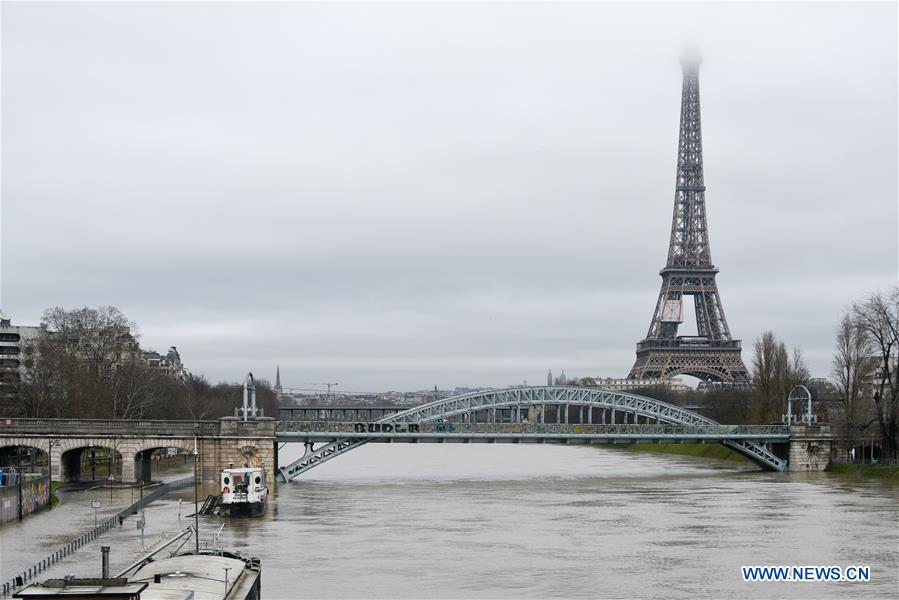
<point x="35" y="496"/>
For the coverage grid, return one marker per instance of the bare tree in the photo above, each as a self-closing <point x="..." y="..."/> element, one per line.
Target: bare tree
<point x="99" y="338"/>
<point x="81" y="364"/>
<point x="878" y="318"/>
<point x="44" y="390"/>
<point x="37" y="393"/>
<point x="200" y="399"/>
<point x="775" y="373"/>
<point x="851" y="364"/>
<point x="769" y="358"/>
<point x="135" y="389"/>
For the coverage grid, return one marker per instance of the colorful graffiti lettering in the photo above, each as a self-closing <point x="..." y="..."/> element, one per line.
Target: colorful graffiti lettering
<point x="35" y="494"/>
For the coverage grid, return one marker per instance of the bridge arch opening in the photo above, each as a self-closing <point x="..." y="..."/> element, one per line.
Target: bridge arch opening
<point x="90" y="463"/>
<point x="25" y="458"/>
<point x="161" y="457"/>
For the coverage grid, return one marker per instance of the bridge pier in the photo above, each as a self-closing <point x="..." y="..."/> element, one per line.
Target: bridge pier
<point x="251" y="442"/>
<point x="810" y="448"/>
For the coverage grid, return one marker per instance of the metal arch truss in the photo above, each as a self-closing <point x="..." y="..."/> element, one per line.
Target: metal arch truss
<point x="533" y="396"/>
<point x="711" y="362"/>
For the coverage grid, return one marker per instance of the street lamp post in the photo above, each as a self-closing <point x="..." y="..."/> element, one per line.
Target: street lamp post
<point x="51" y="443"/>
<point x="196" y="501"/>
<point x="19" y="478"/>
<point x="141" y="524"/>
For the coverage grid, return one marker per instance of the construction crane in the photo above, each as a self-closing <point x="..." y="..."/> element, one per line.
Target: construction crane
<point x="326" y="384"/>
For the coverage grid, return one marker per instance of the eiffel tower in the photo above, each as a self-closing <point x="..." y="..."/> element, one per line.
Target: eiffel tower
<point x="712" y="355"/>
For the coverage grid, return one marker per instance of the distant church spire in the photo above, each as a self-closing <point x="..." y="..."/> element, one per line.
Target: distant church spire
<point x="278" y="379"/>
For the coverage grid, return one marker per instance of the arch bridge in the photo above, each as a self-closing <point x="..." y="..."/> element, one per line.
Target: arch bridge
<point x="131" y="443"/>
<point x="545" y="414"/>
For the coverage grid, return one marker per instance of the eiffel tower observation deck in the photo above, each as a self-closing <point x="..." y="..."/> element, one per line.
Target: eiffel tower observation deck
<point x="712" y="354"/>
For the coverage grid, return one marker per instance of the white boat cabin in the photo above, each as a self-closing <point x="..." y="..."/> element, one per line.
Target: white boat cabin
<point x="244" y="484"/>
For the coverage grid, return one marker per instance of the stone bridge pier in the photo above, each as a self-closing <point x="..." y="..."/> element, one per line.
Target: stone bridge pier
<point x="249" y="442"/>
<point x="810" y="447"/>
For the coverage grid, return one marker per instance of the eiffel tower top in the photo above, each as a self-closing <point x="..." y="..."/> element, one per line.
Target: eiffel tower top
<point x="689" y="245"/>
<point x="690" y="58"/>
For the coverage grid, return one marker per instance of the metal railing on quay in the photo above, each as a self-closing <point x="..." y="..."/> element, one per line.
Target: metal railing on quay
<point x="8" y="586"/>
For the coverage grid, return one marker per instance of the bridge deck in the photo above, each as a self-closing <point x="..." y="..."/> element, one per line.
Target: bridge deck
<point x="318" y="431"/>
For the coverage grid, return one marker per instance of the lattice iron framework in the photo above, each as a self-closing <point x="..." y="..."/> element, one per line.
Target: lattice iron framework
<point x="711" y="355"/>
<point x="662" y="412"/>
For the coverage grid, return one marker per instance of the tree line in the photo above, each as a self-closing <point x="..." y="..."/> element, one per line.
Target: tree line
<point x="87" y="363"/>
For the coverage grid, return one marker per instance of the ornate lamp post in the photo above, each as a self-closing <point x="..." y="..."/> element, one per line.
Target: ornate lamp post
<point x="799" y="393"/>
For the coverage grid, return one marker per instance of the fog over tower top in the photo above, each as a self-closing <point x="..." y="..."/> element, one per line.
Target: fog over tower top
<point x="690" y="58"/>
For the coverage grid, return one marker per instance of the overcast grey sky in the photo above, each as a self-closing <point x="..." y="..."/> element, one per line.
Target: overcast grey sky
<point x="396" y="196"/>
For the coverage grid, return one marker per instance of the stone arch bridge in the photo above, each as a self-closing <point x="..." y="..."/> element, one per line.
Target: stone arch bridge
<point x="216" y="442"/>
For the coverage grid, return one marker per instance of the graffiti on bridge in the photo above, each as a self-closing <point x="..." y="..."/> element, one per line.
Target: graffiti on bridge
<point x="450" y="427"/>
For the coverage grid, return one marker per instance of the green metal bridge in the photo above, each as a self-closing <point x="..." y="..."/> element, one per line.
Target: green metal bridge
<point x="550" y="414"/>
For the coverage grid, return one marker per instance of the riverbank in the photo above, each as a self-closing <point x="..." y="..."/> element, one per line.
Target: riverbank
<point x="889" y="472"/>
<point x="714" y="451"/>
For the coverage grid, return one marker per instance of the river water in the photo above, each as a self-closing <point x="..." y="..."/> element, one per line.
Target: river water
<point x="535" y="521"/>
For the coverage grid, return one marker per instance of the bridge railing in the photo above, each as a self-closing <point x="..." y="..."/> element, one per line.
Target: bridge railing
<point x="759" y="431"/>
<point x="113" y="426"/>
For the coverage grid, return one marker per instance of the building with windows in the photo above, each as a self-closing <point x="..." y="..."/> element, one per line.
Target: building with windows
<point x="170" y="363"/>
<point x="15" y="341"/>
<point x="625" y="385"/>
